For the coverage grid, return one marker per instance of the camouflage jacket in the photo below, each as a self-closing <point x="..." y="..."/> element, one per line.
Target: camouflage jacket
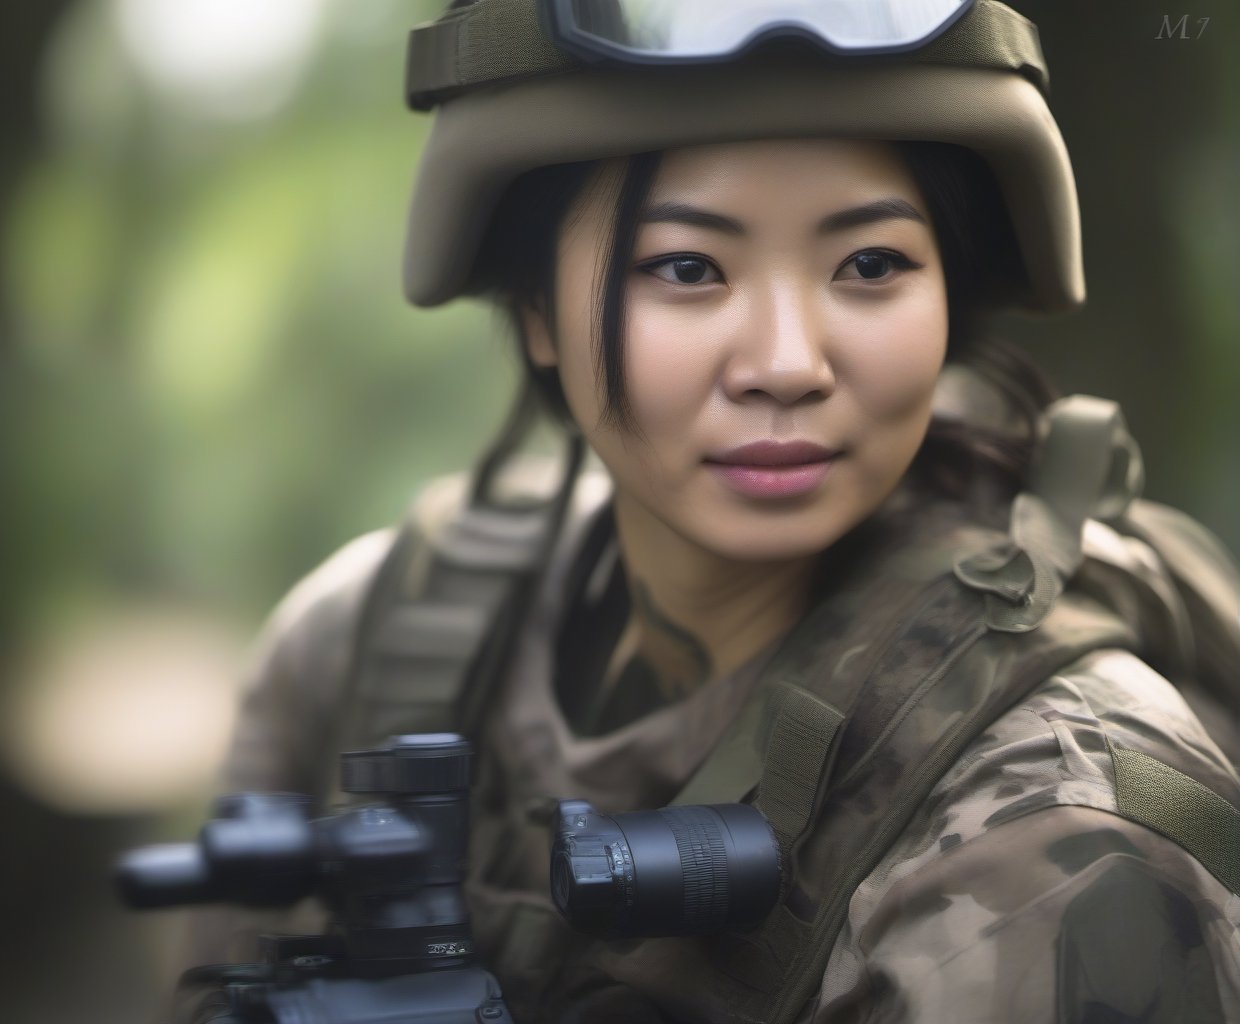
<point x="1019" y="894"/>
<point x="1016" y="892"/>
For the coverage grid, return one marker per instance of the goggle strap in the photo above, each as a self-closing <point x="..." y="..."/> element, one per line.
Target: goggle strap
<point x="995" y="37"/>
<point x="491" y="41"/>
<point x="485" y="42"/>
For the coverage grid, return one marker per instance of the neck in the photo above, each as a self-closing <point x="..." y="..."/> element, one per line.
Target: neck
<point x="696" y="615"/>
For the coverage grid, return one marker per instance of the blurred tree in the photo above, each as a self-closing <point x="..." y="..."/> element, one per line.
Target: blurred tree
<point x="209" y="382"/>
<point x="24" y="39"/>
<point x="45" y="911"/>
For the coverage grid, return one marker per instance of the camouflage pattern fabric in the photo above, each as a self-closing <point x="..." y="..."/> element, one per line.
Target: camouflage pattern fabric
<point x="1015" y="894"/>
<point x="1018" y="894"/>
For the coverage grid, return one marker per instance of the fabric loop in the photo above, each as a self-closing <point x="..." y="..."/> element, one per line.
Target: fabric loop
<point x="482" y="43"/>
<point x="802" y="736"/>
<point x="1087" y="466"/>
<point x="1006" y="571"/>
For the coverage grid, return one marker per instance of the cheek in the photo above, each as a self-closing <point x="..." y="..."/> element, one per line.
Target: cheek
<point x="671" y="362"/>
<point x="893" y="372"/>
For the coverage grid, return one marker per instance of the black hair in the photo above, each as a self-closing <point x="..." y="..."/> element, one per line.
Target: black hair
<point x="977" y="246"/>
<point x="984" y="271"/>
<point x="517" y="265"/>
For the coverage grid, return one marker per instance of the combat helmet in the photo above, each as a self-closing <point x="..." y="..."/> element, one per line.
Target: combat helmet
<point x="521" y="84"/>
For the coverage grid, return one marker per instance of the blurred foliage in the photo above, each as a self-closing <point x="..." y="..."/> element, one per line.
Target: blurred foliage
<point x="221" y="380"/>
<point x="210" y="381"/>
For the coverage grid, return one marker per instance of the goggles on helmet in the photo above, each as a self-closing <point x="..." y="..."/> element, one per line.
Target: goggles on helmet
<point x="692" y="31"/>
<point x="522" y="84"/>
<point x="493" y="41"/>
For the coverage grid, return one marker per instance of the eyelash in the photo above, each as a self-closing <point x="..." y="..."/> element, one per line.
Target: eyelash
<point x="898" y="260"/>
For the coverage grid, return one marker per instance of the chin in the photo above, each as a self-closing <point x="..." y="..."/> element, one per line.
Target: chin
<point x="766" y="537"/>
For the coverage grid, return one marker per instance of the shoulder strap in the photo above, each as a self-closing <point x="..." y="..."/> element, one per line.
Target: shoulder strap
<point x="441" y="617"/>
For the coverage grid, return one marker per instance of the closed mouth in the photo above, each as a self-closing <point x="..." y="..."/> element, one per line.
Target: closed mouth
<point x="774" y="454"/>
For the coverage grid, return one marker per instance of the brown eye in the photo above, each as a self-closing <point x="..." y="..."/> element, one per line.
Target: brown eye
<point x="684" y="270"/>
<point x="872" y="264"/>
<point x="689" y="271"/>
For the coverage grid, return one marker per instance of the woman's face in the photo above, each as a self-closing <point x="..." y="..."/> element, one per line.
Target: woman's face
<point x="783" y="294"/>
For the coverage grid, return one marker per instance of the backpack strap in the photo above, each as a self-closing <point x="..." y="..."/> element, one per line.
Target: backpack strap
<point x="1179" y="807"/>
<point x="443" y="613"/>
<point x="436" y="608"/>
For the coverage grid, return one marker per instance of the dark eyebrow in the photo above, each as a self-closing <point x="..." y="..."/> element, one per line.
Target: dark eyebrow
<point x="882" y="209"/>
<point x="855" y="216"/>
<point x="694" y="216"/>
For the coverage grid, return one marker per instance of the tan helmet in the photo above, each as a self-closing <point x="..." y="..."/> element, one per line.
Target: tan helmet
<point x="509" y="101"/>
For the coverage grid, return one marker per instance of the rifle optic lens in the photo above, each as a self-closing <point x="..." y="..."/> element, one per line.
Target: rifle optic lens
<point x="674" y="871"/>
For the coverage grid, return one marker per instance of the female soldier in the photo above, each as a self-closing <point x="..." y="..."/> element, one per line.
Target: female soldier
<point x="746" y="256"/>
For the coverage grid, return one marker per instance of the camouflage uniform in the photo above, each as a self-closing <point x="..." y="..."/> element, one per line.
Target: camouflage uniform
<point x="1020" y="895"/>
<point x="1016" y="892"/>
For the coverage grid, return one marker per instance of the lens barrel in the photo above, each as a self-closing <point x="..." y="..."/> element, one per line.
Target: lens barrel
<point x="674" y="871"/>
<point x="422" y="763"/>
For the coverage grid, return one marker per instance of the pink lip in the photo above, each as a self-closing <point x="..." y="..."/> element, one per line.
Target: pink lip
<point x="768" y="469"/>
<point x="774" y="453"/>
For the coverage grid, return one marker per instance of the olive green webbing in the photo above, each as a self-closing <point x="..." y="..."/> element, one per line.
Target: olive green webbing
<point x="442" y="615"/>
<point x="492" y="41"/>
<point x="734" y="766"/>
<point x="486" y="41"/>
<point x="808" y="961"/>
<point x="782" y="713"/>
<point x="802" y="737"/>
<point x="1182" y="809"/>
<point x="803" y="729"/>
<point x="994" y="37"/>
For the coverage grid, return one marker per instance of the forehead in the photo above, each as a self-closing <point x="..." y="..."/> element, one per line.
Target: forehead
<point x="845" y="168"/>
<point x="782" y="184"/>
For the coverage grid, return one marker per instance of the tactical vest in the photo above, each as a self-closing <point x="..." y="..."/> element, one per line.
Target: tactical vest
<point x="944" y="622"/>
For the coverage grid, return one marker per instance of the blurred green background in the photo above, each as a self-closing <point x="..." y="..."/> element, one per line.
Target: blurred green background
<point x="209" y="381"/>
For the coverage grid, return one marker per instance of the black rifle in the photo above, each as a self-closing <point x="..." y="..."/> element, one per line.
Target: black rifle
<point x="398" y="946"/>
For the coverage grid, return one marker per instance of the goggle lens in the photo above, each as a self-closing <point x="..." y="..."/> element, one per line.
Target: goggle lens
<point x="687" y="30"/>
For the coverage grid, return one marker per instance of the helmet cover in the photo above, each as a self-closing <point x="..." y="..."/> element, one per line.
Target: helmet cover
<point x="506" y="108"/>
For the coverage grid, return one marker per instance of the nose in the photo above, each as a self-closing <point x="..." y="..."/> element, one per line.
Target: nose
<point x="781" y="349"/>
